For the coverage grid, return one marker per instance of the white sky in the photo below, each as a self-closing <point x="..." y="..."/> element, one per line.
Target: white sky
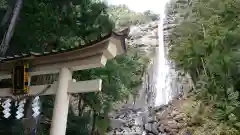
<point x="141" y="5"/>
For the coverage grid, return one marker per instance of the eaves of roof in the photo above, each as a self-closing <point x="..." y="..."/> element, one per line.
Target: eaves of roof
<point x="119" y="35"/>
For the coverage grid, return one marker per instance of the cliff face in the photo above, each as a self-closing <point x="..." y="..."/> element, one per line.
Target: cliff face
<point x="130" y="118"/>
<point x="140" y="116"/>
<point x="145" y="39"/>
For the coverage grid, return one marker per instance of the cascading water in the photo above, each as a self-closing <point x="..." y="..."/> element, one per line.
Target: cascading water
<point x="163" y="86"/>
<point x="161" y="82"/>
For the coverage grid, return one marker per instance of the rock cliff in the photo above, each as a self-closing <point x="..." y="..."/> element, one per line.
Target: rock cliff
<point x="130" y="118"/>
<point x="140" y="116"/>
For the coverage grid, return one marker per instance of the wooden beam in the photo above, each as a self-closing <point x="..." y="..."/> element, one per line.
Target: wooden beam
<point x="75" y="65"/>
<point x="72" y="55"/>
<point x="88" y="63"/>
<point x="118" y="45"/>
<point x="111" y="51"/>
<point x="74" y="87"/>
<point x="4" y="75"/>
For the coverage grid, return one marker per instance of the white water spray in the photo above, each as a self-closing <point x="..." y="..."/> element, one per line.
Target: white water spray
<point x="164" y="91"/>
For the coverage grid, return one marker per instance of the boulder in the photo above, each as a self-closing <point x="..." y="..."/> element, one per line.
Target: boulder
<point x="161" y="128"/>
<point x="179" y="117"/>
<point x="181" y="125"/>
<point x="154" y="128"/>
<point x="152" y="119"/>
<point x="172" y="124"/>
<point x="116" y="123"/>
<point x="159" y="115"/>
<point x="148" y="126"/>
<point x="174" y="113"/>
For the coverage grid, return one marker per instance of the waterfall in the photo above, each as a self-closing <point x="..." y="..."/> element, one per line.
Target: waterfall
<point x="163" y="83"/>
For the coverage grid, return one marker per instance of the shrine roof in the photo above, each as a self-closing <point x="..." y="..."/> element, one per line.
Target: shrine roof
<point x="120" y="35"/>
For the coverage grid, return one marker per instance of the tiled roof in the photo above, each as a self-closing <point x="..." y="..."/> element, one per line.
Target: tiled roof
<point x="122" y="35"/>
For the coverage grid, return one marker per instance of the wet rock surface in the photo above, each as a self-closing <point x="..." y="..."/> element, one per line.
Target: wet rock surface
<point x="144" y="37"/>
<point x="171" y="120"/>
<point x="133" y="117"/>
<point x="163" y="120"/>
<point x="140" y="116"/>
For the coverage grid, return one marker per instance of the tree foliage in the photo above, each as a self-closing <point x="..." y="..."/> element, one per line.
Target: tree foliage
<point x="205" y="44"/>
<point x="54" y="24"/>
<point x="123" y="16"/>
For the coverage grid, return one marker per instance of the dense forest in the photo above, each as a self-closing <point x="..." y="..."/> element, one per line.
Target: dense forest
<point x="51" y="24"/>
<point x="204" y="43"/>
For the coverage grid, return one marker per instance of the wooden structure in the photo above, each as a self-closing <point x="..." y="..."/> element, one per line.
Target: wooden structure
<point x="64" y="62"/>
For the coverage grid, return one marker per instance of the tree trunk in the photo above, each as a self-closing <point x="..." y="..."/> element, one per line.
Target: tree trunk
<point x="8" y="35"/>
<point x="94" y="122"/>
<point x="81" y="105"/>
<point x="72" y="111"/>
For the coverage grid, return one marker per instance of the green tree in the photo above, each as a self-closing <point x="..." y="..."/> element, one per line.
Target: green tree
<point x="205" y="44"/>
<point x="123" y="16"/>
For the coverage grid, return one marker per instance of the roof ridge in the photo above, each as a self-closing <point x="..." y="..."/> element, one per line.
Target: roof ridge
<point x="117" y="34"/>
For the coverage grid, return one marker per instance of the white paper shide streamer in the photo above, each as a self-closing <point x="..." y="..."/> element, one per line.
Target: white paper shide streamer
<point x="20" y="109"/>
<point x="36" y="106"/>
<point x="7" y="108"/>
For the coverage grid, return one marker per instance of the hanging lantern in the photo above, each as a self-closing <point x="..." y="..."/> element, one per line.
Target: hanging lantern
<point x="20" y="77"/>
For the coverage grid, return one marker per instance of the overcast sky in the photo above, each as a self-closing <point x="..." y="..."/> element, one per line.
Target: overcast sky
<point x="141" y="5"/>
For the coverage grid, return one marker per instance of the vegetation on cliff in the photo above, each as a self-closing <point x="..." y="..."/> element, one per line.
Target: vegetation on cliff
<point x="123" y="16"/>
<point x="205" y="44"/>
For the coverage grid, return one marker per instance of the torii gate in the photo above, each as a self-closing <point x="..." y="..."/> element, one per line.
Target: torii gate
<point x="64" y="62"/>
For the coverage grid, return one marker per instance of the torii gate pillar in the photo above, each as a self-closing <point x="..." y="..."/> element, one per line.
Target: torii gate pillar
<point x="60" y="111"/>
